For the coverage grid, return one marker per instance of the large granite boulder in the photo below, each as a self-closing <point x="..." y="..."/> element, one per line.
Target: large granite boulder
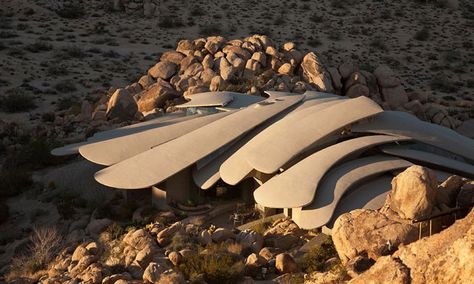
<point x="315" y="73"/>
<point x="369" y="232"/>
<point x="121" y="106"/>
<point x="413" y="194"/>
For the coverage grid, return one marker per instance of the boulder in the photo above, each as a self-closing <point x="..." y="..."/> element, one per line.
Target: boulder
<point x="285" y="69"/>
<point x="146" y="81"/>
<point x="121" y="105"/>
<point x="395" y="97"/>
<point x="184" y="46"/>
<point x="97" y="226"/>
<point x="358" y="90"/>
<point x="163" y="70"/>
<point x="465" y="196"/>
<point x="156" y="96"/>
<point x="205" y="238"/>
<point x="222" y="234"/>
<point x="175" y="258"/>
<point x="269" y="253"/>
<point x="153" y="272"/>
<point x="79" y="253"/>
<point x="386" y="270"/>
<point x="217" y="84"/>
<point x="227" y="70"/>
<point x="138" y="239"/>
<point x="254" y="264"/>
<point x="446" y="257"/>
<point x="315" y="73"/>
<point x="369" y="232"/>
<point x="413" y="194"/>
<point x="448" y="190"/>
<point x="260" y="57"/>
<point x="164" y="237"/>
<point x="335" y="78"/>
<point x="285" y="263"/>
<point x="172" y="56"/>
<point x="250" y="239"/>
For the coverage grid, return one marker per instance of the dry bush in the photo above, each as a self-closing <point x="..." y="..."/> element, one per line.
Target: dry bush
<point x="45" y="244"/>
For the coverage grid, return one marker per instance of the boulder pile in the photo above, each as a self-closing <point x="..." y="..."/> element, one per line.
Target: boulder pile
<point x="390" y="236"/>
<point x="256" y="64"/>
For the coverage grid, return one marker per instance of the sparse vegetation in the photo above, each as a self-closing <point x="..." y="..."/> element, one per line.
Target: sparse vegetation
<point x="39" y="46"/>
<point x="17" y="100"/>
<point x="71" y="11"/>
<point x="315" y="259"/>
<point x="423" y="34"/>
<point x="45" y="244"/>
<point x="216" y="266"/>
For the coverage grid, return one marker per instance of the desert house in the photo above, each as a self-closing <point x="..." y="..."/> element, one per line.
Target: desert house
<point x="314" y="156"/>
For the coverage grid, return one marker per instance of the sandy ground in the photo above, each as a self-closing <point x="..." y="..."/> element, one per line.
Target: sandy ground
<point x="106" y="48"/>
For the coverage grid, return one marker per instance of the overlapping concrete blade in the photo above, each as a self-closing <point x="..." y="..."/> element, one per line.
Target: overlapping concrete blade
<point x="323" y="95"/>
<point x="278" y="144"/>
<point x="434" y="160"/>
<point x="112" y="151"/>
<point x="401" y="123"/>
<point x="206" y="173"/>
<point x="155" y="165"/>
<point x="369" y="195"/>
<point x="339" y="181"/>
<point x="236" y="167"/>
<point x="208" y="99"/>
<point x="297" y="186"/>
<point x="123" y="131"/>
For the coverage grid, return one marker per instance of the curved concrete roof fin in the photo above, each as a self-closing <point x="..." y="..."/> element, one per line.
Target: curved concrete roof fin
<point x="296" y="187"/>
<point x="155" y="165"/>
<point x="404" y="124"/>
<point x="433" y="160"/>
<point x="208" y="99"/>
<point x="267" y="154"/>
<point x="114" y="150"/>
<point x="339" y="181"/>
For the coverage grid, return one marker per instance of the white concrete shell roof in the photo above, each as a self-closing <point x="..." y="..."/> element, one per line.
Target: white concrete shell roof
<point x="267" y="154"/>
<point x="156" y="165"/>
<point x="433" y="160"/>
<point x="123" y="131"/>
<point x="404" y="124"/>
<point x="299" y="183"/>
<point x="236" y="167"/>
<point x="339" y="181"/>
<point x="305" y="150"/>
<point x="369" y="195"/>
<point x="115" y="150"/>
<point x="229" y="100"/>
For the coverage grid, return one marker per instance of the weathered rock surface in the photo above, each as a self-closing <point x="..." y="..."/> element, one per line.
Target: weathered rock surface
<point x="413" y="193"/>
<point x="369" y="232"/>
<point x="121" y="105"/>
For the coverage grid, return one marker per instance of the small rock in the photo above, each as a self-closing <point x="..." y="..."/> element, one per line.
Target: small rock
<point x="121" y="105"/>
<point x="163" y="70"/>
<point x="285" y="263"/>
<point x="222" y="234"/>
<point x="175" y="258"/>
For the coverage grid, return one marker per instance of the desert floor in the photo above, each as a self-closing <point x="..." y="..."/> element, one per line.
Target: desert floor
<point x="60" y="61"/>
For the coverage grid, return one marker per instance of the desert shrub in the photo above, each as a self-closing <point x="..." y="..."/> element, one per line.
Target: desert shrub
<point x="216" y="266"/>
<point x="314" y="260"/>
<point x="4" y="211"/>
<point x="66" y="204"/>
<point x="443" y="84"/>
<point x="17" y="100"/>
<point x="335" y="35"/>
<point x="48" y="117"/>
<point x="56" y="69"/>
<point x="378" y="43"/>
<point x="71" y="11"/>
<point x="422" y="35"/>
<point x="66" y="86"/>
<point x="72" y="52"/>
<point x="262" y="226"/>
<point x="316" y="18"/>
<point x="179" y="242"/>
<point x="314" y="42"/>
<point x="45" y="244"/>
<point x="14" y="181"/>
<point x="210" y="29"/>
<point x="169" y="22"/>
<point x="197" y="11"/>
<point x="115" y="231"/>
<point x="39" y="46"/>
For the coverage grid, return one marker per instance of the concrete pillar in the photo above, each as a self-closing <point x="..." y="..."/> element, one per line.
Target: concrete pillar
<point x="181" y="188"/>
<point x="158" y="198"/>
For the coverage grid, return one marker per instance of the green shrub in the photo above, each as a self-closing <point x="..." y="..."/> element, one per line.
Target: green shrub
<point x="66" y="86"/>
<point x="115" y="231"/>
<point x="215" y="267"/>
<point x="315" y="259"/>
<point x="210" y="29"/>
